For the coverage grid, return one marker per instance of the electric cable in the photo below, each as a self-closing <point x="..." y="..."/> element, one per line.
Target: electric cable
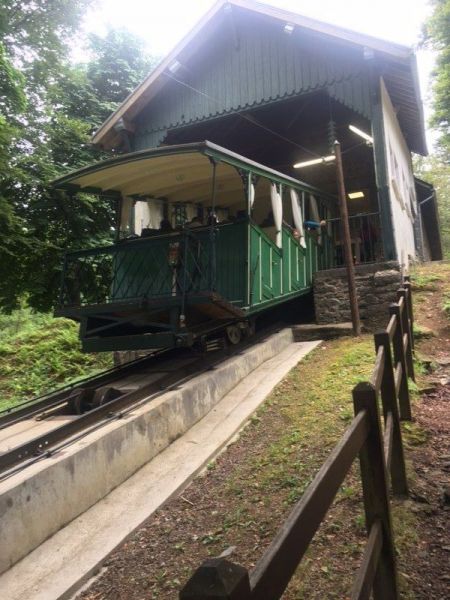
<point x="253" y="121"/>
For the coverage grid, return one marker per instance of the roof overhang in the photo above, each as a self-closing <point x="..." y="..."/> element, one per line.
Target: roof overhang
<point x="163" y="172"/>
<point x="400" y="70"/>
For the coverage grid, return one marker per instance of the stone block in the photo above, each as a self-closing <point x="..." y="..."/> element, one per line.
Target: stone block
<point x="376" y="287"/>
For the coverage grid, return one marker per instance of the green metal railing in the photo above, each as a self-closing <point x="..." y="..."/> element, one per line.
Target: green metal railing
<point x="167" y="265"/>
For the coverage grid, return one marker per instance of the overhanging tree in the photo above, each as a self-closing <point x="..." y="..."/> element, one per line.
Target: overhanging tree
<point x="436" y="168"/>
<point x="65" y="104"/>
<point x="437" y="36"/>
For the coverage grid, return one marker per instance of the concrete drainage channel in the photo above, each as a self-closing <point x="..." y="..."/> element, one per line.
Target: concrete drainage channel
<point x="62" y="517"/>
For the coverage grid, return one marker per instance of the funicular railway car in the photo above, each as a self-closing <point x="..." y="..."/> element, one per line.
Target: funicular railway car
<point x="206" y="240"/>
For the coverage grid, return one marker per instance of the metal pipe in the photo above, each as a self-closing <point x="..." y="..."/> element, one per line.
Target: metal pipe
<point x="212" y="231"/>
<point x="426" y="200"/>
<point x="347" y="241"/>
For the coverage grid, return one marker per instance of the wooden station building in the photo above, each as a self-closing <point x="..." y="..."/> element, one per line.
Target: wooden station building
<point x="279" y="89"/>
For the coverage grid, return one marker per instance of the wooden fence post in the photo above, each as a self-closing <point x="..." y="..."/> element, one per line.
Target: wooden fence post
<point x="389" y="401"/>
<point x="399" y="357"/>
<point x="376" y="499"/>
<point x="217" y="579"/>
<point x="407" y="328"/>
<point x="408" y="288"/>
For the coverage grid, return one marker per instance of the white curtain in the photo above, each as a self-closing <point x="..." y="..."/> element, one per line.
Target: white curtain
<point x="298" y="217"/>
<point x="277" y="209"/>
<point x="315" y="216"/>
<point x="251" y="195"/>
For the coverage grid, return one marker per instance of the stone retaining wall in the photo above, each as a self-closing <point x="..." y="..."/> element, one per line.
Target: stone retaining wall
<point x="376" y="286"/>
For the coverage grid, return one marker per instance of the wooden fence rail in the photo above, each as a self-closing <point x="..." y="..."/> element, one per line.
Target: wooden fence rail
<point x="378" y="442"/>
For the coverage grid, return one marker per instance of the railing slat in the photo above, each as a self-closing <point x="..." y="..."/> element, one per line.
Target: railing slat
<point x="398" y="378"/>
<point x="405" y="342"/>
<point x="391" y="327"/>
<point x="402" y="294"/>
<point x="362" y="587"/>
<point x="378" y="370"/>
<point x="388" y="438"/>
<point x="400" y="357"/>
<point x="389" y="396"/>
<point x="407" y="286"/>
<point x="376" y="494"/>
<point x="273" y="571"/>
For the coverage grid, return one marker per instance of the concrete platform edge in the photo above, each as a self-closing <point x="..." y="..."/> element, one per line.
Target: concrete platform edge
<point x="37" y="502"/>
<point x="74" y="563"/>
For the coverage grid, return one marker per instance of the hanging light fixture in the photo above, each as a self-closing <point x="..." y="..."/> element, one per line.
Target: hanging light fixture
<point x="355" y="195"/>
<point x="316" y="161"/>
<point x="363" y="134"/>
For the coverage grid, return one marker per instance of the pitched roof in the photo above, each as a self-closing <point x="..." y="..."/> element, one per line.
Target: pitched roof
<point x="400" y="73"/>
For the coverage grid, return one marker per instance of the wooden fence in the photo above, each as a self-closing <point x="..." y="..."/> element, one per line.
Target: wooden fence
<point x="379" y="445"/>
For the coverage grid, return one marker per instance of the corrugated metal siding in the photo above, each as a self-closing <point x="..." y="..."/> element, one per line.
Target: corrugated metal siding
<point x="268" y="66"/>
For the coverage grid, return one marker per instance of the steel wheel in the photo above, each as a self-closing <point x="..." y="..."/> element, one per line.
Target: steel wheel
<point x="234" y="334"/>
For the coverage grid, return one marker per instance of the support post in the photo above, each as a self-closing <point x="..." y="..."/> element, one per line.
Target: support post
<point x="407" y="328"/>
<point x="399" y="357"/>
<point x="217" y="579"/>
<point x="389" y="401"/>
<point x="347" y="241"/>
<point x="407" y="286"/>
<point x="376" y="499"/>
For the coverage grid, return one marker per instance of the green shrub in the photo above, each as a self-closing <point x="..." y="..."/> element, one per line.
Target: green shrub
<point x="39" y="353"/>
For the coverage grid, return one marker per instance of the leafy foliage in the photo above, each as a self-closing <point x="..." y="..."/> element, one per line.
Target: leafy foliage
<point x="436" y="170"/>
<point x="51" y="350"/>
<point x="48" y="112"/>
<point x="437" y="35"/>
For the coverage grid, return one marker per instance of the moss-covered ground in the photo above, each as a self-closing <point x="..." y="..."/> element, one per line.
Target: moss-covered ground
<point x="39" y="353"/>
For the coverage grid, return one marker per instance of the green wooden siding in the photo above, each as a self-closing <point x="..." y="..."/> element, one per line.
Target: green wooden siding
<point x="267" y="67"/>
<point x="231" y="262"/>
<point x="277" y="273"/>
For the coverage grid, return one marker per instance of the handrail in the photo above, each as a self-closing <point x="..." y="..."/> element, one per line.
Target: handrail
<point x="380" y="455"/>
<point x="272" y="573"/>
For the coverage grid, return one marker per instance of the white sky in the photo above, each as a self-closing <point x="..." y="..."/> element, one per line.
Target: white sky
<point x="162" y="23"/>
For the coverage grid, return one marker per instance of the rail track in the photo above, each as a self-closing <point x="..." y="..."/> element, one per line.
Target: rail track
<point x="61" y="418"/>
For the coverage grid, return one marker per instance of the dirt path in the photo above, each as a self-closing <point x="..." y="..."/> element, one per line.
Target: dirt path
<point x="429" y="452"/>
<point x="245" y="495"/>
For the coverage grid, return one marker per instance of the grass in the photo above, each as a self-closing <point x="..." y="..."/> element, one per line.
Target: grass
<point x="306" y="415"/>
<point x="314" y="423"/>
<point x="39" y="353"/>
<point x="446" y="304"/>
<point x="300" y="423"/>
<point x="314" y="405"/>
<point x="425" y="281"/>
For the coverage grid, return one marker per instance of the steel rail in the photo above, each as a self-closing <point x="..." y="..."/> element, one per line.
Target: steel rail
<point x="36" y="406"/>
<point x="43" y="444"/>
